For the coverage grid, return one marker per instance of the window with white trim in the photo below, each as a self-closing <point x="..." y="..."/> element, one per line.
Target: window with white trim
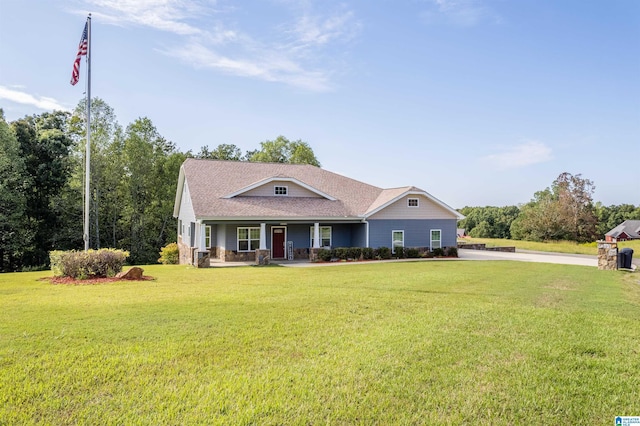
<point x="325" y="236"/>
<point x="180" y="228"/>
<point x="207" y="237"/>
<point x="280" y="190"/>
<point x="397" y="240"/>
<point x="248" y="239"/>
<point x="412" y="202"/>
<point x="436" y="238"/>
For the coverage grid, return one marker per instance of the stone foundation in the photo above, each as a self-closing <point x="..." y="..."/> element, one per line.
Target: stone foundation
<point x="607" y="255"/>
<point x="313" y="254"/>
<point x="185" y="253"/>
<point x="234" y="256"/>
<point x="485" y="248"/>
<point x="204" y="259"/>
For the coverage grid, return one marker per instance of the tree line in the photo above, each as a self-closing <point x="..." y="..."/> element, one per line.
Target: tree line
<point x="134" y="171"/>
<point x="563" y="211"/>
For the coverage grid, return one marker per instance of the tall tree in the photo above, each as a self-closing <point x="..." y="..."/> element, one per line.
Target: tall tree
<point x="563" y="211"/>
<point x="282" y="150"/>
<point x="15" y="235"/>
<point x="45" y="147"/>
<point x="221" y="152"/>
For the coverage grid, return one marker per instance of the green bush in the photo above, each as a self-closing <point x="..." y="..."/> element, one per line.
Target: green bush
<point x="412" y="253"/>
<point x="399" y="253"/>
<point x="90" y="264"/>
<point x="354" y="253"/>
<point x="452" y="251"/>
<point x="383" y="253"/>
<point x="368" y="253"/>
<point x="341" y="253"/>
<point x="169" y="254"/>
<point x="324" y="255"/>
<point x="438" y="252"/>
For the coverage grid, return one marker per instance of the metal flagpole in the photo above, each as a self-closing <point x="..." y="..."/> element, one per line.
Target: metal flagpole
<point x="87" y="194"/>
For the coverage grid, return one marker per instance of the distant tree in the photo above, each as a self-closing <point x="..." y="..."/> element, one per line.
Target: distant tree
<point x="221" y="152"/>
<point x="45" y="148"/>
<point x="492" y="222"/>
<point x="282" y="150"/>
<point x="563" y="211"/>
<point x="611" y="216"/>
<point x="15" y="235"/>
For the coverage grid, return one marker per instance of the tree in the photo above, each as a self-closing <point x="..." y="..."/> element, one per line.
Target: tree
<point x="563" y="211"/>
<point x="221" y="152"/>
<point x="282" y="150"/>
<point x="45" y="147"/>
<point x="15" y="237"/>
<point x="494" y="222"/>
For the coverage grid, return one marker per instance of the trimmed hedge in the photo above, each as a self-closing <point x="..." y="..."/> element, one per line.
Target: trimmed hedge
<point x="368" y="253"/>
<point x="90" y="264"/>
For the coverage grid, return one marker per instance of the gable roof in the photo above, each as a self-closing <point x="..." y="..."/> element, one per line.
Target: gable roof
<point x="216" y="188"/>
<point x="629" y="227"/>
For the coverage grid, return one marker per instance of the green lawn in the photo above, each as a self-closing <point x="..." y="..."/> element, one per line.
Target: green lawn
<point x="431" y="342"/>
<point x="551" y="246"/>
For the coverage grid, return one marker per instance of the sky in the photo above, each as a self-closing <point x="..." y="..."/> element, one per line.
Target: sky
<point x="477" y="102"/>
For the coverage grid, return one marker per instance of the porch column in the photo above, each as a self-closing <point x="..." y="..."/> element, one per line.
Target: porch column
<point x="201" y="239"/>
<point x="263" y="236"/>
<point x="316" y="235"/>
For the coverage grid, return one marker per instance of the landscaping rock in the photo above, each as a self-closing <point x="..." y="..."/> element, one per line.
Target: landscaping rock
<point x="134" y="273"/>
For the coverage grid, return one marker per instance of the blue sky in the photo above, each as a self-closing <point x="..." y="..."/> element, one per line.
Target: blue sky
<point x="478" y="102"/>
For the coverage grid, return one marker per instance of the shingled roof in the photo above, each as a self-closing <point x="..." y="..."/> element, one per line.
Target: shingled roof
<point x="629" y="227"/>
<point x="216" y="189"/>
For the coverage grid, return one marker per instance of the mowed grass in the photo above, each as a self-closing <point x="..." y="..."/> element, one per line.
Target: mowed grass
<point x="430" y="342"/>
<point x="551" y="246"/>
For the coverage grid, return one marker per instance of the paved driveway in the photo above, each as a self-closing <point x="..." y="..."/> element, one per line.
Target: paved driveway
<point x="530" y="256"/>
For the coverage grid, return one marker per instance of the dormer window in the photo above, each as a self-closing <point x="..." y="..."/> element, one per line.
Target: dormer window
<point x="280" y="190"/>
<point x="412" y="202"/>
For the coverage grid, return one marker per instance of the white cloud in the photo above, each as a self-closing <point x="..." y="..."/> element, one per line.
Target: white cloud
<point x="464" y="13"/>
<point x="525" y="154"/>
<point x="21" y="97"/>
<point x="292" y="55"/>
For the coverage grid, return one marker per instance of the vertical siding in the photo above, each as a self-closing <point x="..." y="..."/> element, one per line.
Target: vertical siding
<point x="416" y="232"/>
<point x="186" y="213"/>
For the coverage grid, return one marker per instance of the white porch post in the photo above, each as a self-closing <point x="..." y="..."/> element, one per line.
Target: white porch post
<point x="201" y="245"/>
<point x="263" y="236"/>
<point x="316" y="235"/>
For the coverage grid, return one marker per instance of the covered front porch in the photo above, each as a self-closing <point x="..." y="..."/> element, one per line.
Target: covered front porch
<point x="267" y="241"/>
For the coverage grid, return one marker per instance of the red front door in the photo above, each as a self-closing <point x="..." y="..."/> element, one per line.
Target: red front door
<point x="278" y="237"/>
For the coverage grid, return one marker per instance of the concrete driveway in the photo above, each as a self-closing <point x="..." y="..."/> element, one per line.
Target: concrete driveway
<point x="530" y="256"/>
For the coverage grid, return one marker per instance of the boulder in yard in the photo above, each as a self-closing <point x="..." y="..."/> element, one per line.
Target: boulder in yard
<point x="134" y="273"/>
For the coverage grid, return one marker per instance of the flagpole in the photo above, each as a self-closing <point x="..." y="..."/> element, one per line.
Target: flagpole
<point x="87" y="194"/>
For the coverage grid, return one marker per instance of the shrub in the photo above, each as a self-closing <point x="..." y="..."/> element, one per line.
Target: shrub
<point x="354" y="253"/>
<point x="341" y="253"/>
<point x="90" y="264"/>
<point x="399" y="253"/>
<point x="383" y="253"/>
<point x="367" y="253"/>
<point x="452" y="251"/>
<point x="324" y="255"/>
<point x="412" y="253"/>
<point x="169" y="254"/>
<point x="438" y="252"/>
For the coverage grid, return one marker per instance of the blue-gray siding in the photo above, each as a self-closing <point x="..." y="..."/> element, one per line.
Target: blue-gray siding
<point x="416" y="232"/>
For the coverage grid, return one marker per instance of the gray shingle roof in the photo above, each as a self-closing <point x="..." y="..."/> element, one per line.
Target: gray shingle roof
<point x="210" y="181"/>
<point x="629" y="227"/>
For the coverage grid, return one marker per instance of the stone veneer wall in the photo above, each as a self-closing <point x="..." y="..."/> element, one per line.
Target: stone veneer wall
<point x="185" y="253"/>
<point x="607" y="255"/>
<point x="485" y="248"/>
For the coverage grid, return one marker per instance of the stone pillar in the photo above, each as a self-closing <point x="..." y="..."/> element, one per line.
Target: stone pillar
<point x="313" y="254"/>
<point x="263" y="257"/>
<point x="204" y="259"/>
<point x="607" y="255"/>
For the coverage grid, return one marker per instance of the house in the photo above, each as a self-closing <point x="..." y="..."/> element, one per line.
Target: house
<point x="627" y="230"/>
<point x="243" y="211"/>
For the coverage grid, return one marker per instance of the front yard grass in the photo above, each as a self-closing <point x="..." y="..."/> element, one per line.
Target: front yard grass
<point x="396" y="343"/>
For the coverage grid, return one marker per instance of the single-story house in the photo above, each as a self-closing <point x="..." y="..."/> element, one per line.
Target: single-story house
<point x="239" y="211"/>
<point x="627" y="230"/>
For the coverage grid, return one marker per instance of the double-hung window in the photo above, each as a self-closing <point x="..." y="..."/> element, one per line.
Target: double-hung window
<point x="397" y="240"/>
<point x="248" y="239"/>
<point x="436" y="238"/>
<point x="207" y="237"/>
<point x="325" y="236"/>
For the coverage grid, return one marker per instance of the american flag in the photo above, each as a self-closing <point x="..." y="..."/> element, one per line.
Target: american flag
<point x="82" y="50"/>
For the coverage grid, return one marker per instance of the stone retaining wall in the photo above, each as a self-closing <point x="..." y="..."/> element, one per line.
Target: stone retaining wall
<point x="484" y="247"/>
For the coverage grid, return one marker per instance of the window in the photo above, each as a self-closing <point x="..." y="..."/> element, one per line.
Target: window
<point x="207" y="237"/>
<point x="180" y="228"/>
<point x="397" y="240"/>
<point x="325" y="236"/>
<point x="280" y="190"/>
<point x="436" y="239"/>
<point x="248" y="239"/>
<point x="412" y="202"/>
